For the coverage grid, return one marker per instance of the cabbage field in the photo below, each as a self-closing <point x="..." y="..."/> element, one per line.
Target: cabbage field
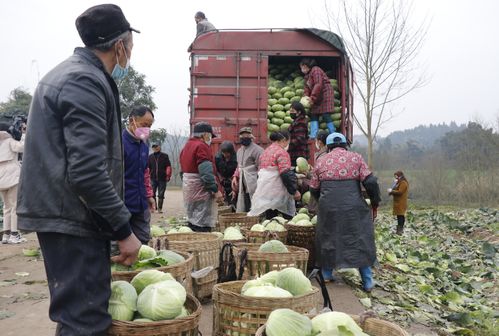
<point x="286" y="85"/>
<point x="441" y="273"/>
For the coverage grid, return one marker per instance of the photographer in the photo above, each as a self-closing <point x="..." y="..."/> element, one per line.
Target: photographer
<point x="10" y="170"/>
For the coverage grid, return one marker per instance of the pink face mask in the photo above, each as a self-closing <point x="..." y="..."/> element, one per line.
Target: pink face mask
<point x="142" y="133"/>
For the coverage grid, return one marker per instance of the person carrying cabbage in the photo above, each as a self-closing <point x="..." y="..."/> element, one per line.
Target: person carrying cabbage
<point x="276" y="189"/>
<point x="320" y="91"/>
<point x="344" y="235"/>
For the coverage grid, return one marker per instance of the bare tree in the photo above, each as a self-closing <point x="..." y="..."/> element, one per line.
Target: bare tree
<point x="173" y="143"/>
<point x="383" y="47"/>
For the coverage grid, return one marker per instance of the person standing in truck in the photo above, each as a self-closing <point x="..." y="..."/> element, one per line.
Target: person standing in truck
<point x="298" y="131"/>
<point x="276" y="190"/>
<point x="320" y="91"/>
<point x="248" y="161"/>
<point x="199" y="182"/>
<point x="202" y="24"/>
<point x="344" y="236"/>
<point x="226" y="162"/>
<point x="161" y="173"/>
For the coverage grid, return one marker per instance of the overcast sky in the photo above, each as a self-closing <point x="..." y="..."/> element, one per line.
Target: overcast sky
<point x="461" y="52"/>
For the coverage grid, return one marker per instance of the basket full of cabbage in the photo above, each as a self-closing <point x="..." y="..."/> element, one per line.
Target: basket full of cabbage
<point x="178" y="264"/>
<point x="270" y="229"/>
<point x="273" y="255"/>
<point x="153" y="303"/>
<point x="240" y="219"/>
<point x="290" y="323"/>
<point x="241" y="307"/>
<point x="301" y="233"/>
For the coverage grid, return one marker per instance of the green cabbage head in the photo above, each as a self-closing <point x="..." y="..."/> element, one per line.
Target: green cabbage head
<point x="293" y="280"/>
<point x="123" y="301"/>
<point x="288" y="322"/>
<point x="162" y="301"/>
<point x="336" y="323"/>
<point x="148" y="277"/>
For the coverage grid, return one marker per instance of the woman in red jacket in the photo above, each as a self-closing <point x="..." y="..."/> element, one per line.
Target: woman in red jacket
<point x="320" y="91"/>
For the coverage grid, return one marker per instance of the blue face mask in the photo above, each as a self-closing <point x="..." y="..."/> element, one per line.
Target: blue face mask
<point x="119" y="72"/>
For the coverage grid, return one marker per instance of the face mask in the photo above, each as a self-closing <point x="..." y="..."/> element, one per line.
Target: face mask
<point x="141" y="133"/>
<point x="395" y="180"/>
<point x="245" y="141"/>
<point x="286" y="148"/>
<point x="119" y="72"/>
<point x="208" y="142"/>
<point x="317" y="146"/>
<point x="293" y="115"/>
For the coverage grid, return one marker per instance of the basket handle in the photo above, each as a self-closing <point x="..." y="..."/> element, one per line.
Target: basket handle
<point x="243" y="262"/>
<point x="317" y="274"/>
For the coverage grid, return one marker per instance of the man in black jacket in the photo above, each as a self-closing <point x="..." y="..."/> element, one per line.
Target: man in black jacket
<point x="161" y="172"/>
<point x="71" y="185"/>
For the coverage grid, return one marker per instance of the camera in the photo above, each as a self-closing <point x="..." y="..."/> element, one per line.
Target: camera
<point x="18" y="127"/>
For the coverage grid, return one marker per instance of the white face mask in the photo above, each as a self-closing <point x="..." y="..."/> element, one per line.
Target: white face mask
<point x="286" y="148"/>
<point x="395" y="180"/>
<point x="317" y="146"/>
<point x="208" y="142"/>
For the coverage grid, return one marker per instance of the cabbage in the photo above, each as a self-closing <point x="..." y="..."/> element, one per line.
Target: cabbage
<point x="184" y="229"/>
<point x="299" y="217"/>
<point x="303" y="211"/>
<point x="233" y="233"/>
<point x="274" y="226"/>
<point x="172" y="230"/>
<point x="183" y="313"/>
<point x="162" y="301"/>
<point x="280" y="220"/>
<point x="314" y="220"/>
<point x="302" y="165"/>
<point x="336" y="322"/>
<point x="265" y="222"/>
<point x="304" y="222"/>
<point x="123" y="301"/>
<point x="306" y="102"/>
<point x="306" y="197"/>
<point x="258" y="228"/>
<point x="220" y="235"/>
<point x="142" y="320"/>
<point x="288" y="322"/>
<point x="171" y="257"/>
<point x="145" y="278"/>
<point x="368" y="201"/>
<point x="270" y="277"/>
<point x="293" y="280"/>
<point x="267" y="291"/>
<point x="273" y="246"/>
<point x="253" y="283"/>
<point x="146" y="252"/>
<point x="157" y="231"/>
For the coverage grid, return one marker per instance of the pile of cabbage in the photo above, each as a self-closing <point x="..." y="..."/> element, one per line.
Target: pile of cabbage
<point x="148" y="258"/>
<point x="233" y="233"/>
<point x="179" y="229"/>
<point x="285" y="85"/>
<point x="151" y="296"/>
<point x="275" y="224"/>
<point x="290" y="323"/>
<point x="303" y="217"/>
<point x="273" y="246"/>
<point x="286" y="283"/>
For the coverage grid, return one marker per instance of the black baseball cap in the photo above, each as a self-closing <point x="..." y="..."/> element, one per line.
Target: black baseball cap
<point x="204" y="127"/>
<point x="102" y="23"/>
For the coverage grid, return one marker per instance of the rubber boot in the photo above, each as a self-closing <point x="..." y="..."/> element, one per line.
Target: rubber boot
<point x="327" y="273"/>
<point x="330" y="127"/>
<point x="314" y="128"/>
<point x="400" y="229"/>
<point x="367" y="278"/>
<point x="160" y="205"/>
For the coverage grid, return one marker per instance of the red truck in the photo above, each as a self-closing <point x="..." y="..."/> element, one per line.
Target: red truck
<point x="232" y="71"/>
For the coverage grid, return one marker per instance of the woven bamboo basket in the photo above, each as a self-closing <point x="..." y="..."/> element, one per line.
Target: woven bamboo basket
<point x="181" y="272"/>
<point x="371" y="326"/>
<point x="260" y="237"/>
<point x="259" y="263"/>
<point x="224" y="209"/>
<point x="237" y="218"/>
<point x="233" y="312"/>
<point x="205" y="247"/>
<point x="185" y="326"/>
<point x="302" y="236"/>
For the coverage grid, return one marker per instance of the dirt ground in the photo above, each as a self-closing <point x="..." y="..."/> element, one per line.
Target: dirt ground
<point x="24" y="297"/>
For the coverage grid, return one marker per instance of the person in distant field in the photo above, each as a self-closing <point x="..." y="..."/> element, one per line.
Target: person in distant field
<point x="344" y="236"/>
<point x="320" y="144"/>
<point x="320" y="91"/>
<point x="298" y="131"/>
<point x="400" y="193"/>
<point x="71" y="184"/>
<point x="246" y="175"/>
<point x="199" y="182"/>
<point x="276" y="189"/>
<point x="202" y="24"/>
<point x="226" y="162"/>
<point x="138" y="192"/>
<point x="161" y="173"/>
<point x="10" y="169"/>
